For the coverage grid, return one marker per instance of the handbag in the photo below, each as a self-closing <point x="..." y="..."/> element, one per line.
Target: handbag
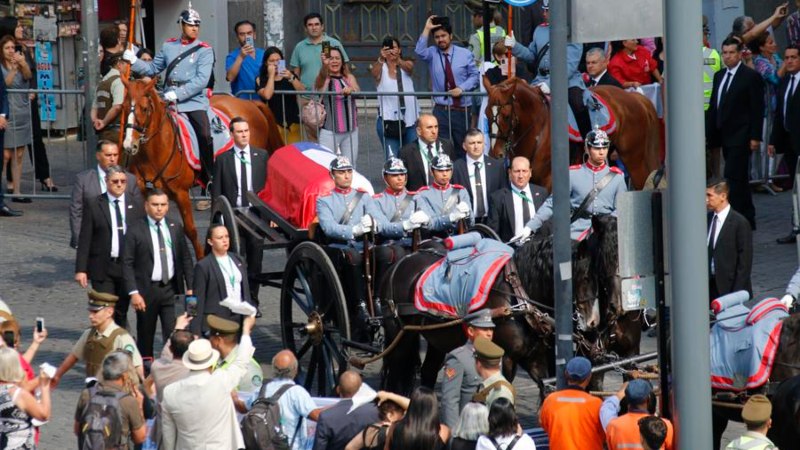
<point x="313" y="114"/>
<point x="393" y="129"/>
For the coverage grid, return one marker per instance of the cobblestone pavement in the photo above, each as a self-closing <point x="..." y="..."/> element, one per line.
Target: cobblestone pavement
<point x="36" y="270"/>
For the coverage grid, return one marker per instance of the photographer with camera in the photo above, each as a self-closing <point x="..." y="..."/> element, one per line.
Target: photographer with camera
<point x="398" y="114"/>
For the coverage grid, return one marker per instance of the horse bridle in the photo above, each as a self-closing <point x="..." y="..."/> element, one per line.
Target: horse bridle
<point x="508" y="137"/>
<point x="143" y="139"/>
<point x="142" y="130"/>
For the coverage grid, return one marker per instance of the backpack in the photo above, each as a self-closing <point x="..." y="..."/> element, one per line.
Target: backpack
<point x="101" y="421"/>
<point x="261" y="426"/>
<point x="510" y="444"/>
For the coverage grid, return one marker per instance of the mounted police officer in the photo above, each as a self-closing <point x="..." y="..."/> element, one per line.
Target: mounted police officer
<point x="445" y="203"/>
<point x="394" y="212"/>
<point x="538" y="53"/>
<point x="345" y="216"/>
<point x="594" y="187"/>
<point x="189" y="65"/>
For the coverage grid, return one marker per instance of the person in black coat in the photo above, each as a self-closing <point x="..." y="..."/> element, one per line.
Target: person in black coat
<point x="102" y="240"/>
<point x="228" y="183"/>
<point x="417" y="155"/>
<point x="730" y="244"/>
<point x="152" y="286"/>
<point x="217" y="277"/>
<point x="474" y="167"/>
<point x="597" y="69"/>
<point x="734" y="122"/>
<point x="506" y="216"/>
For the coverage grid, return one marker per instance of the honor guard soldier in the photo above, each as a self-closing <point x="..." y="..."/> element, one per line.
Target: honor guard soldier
<point x="223" y="335"/>
<point x="103" y="337"/>
<point x="344" y="216"/>
<point x="460" y="378"/>
<point x="488" y="359"/>
<point x="189" y="65"/>
<point x="443" y="202"/>
<point x="594" y="187"/>
<point x="394" y="211"/>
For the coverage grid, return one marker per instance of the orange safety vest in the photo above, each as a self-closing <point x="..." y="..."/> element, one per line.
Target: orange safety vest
<point x="571" y="418"/>
<point x="623" y="432"/>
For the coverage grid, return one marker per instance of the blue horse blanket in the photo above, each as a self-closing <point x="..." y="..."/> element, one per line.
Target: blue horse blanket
<point x="460" y="282"/>
<point x="744" y="342"/>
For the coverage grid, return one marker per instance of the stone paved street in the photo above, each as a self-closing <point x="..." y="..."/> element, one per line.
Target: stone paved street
<point x="36" y="279"/>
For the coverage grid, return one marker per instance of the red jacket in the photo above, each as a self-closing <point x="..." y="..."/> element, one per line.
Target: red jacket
<point x="638" y="67"/>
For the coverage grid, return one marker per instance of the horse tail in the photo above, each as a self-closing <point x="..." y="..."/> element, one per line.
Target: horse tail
<point x="274" y="137"/>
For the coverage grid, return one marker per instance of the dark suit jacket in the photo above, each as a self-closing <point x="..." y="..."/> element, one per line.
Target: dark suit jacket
<point x="741" y="111"/>
<point x="94" y="245"/>
<point x="87" y="187"/>
<point x="336" y="428"/>
<point x="138" y="259"/>
<point x="496" y="177"/>
<point x="225" y="168"/>
<point x="209" y="287"/>
<point x="607" y="80"/>
<point x="501" y="211"/>
<point x="783" y="138"/>
<point x="733" y="254"/>
<point x="411" y="157"/>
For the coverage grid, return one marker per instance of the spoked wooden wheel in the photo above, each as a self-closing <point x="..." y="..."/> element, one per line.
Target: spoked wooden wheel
<point x="314" y="319"/>
<point x="222" y="213"/>
<point x="485" y="231"/>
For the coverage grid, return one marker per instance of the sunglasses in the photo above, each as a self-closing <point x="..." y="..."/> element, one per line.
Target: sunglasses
<point x="117" y="181"/>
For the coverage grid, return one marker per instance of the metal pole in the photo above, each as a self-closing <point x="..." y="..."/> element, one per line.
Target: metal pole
<point x="487" y="32"/>
<point x="687" y="226"/>
<point x="664" y="362"/>
<point x="91" y="67"/>
<point x="562" y="246"/>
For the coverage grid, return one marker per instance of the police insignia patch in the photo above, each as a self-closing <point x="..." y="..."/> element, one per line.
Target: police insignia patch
<point x="450" y="373"/>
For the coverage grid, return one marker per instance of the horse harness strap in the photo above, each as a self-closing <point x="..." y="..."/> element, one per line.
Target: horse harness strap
<point x="401" y="209"/>
<point x="483" y="394"/>
<point x="351" y="207"/>
<point x="591" y="196"/>
<point x="177" y="61"/>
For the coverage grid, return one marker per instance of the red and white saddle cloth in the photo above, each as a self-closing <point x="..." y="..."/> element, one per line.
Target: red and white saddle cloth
<point x="220" y="136"/>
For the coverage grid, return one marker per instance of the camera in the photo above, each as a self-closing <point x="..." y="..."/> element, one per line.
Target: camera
<point x="441" y="21"/>
<point x="326" y="48"/>
<point x="8" y="338"/>
<point x="39" y="324"/>
<point x="18" y="48"/>
<point x="191" y="305"/>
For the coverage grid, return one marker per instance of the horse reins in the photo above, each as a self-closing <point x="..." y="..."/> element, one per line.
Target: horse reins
<point x="508" y="138"/>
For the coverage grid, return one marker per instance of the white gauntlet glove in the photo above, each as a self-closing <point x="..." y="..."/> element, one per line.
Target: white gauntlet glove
<point x="456" y="215"/>
<point x="408" y="225"/>
<point x="419" y="218"/>
<point x="171" y="97"/>
<point x="524" y="234"/>
<point x="367" y="222"/>
<point x="464" y="209"/>
<point x="509" y="41"/>
<point x="359" y="230"/>
<point x="130" y="56"/>
<point x="787" y="300"/>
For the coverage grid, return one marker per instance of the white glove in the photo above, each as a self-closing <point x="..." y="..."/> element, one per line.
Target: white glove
<point x="545" y="88"/>
<point x="463" y="207"/>
<point x="409" y="225"/>
<point x="366" y="221"/>
<point x="509" y="41"/>
<point x="171" y="97"/>
<point x="524" y="234"/>
<point x="359" y="230"/>
<point x="787" y="300"/>
<point x="456" y="215"/>
<point x="130" y="56"/>
<point x="419" y="218"/>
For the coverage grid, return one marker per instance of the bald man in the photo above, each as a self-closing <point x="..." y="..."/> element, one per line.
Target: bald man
<point x="295" y="402"/>
<point x="418" y="154"/>
<point x="337" y="425"/>
<point x="507" y="207"/>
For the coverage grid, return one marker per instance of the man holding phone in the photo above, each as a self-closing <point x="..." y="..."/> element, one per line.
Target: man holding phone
<point x="242" y="64"/>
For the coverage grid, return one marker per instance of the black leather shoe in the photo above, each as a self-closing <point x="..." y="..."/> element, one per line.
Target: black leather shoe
<point x="21" y="200"/>
<point x="5" y="211"/>
<point x="791" y="238"/>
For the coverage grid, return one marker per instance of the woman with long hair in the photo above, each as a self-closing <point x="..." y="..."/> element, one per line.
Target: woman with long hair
<point x="18" y="132"/>
<point x="505" y="432"/>
<point x="18" y="406"/>
<point x="420" y="429"/>
<point x="386" y="70"/>
<point x="391" y="408"/>
<point x="340" y="130"/>
<point x="271" y="78"/>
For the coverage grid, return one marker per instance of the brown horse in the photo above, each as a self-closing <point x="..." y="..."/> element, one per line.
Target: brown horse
<point x="155" y="156"/>
<point x="522" y="115"/>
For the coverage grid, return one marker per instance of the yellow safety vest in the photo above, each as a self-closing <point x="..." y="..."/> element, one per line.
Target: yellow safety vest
<point x="491" y="33"/>
<point x="711" y="65"/>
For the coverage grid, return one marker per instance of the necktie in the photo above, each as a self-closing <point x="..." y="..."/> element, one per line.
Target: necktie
<point x="592" y="82"/>
<point x="162" y="253"/>
<point x="243" y="176"/>
<point x="789" y="92"/>
<point x="480" y="210"/>
<point x="526" y="209"/>
<point x="120" y="227"/>
<point x="726" y="83"/>
<point x="430" y="161"/>
<point x="711" y="236"/>
<point x="450" y="79"/>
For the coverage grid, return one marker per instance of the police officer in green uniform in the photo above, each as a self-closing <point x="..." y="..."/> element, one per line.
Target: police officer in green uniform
<point x="757" y="416"/>
<point x="103" y="337"/>
<point x="488" y="357"/>
<point x="460" y="379"/>
<point x="223" y="337"/>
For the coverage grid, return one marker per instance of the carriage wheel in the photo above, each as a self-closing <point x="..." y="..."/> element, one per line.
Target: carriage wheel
<point x="485" y="231"/>
<point x="222" y="212"/>
<point x="314" y="319"/>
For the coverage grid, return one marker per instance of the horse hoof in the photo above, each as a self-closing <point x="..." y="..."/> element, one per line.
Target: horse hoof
<point x="203" y="205"/>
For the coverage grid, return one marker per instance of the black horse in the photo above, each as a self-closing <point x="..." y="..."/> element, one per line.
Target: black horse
<point x="526" y="337"/>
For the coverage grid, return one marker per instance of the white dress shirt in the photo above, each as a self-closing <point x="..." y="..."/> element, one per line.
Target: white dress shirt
<point x="519" y="224"/>
<point x="731" y="74"/>
<point x="793" y="80"/>
<point x="721" y="216"/>
<point x="156" y="276"/>
<point x="101" y="176"/>
<point x="471" y="171"/>
<point x="597" y="78"/>
<point x="232" y="276"/>
<point x="114" y="236"/>
<point x="436" y="147"/>
<point x="248" y="170"/>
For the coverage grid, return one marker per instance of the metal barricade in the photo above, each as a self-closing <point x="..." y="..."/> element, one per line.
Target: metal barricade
<point x="55" y="153"/>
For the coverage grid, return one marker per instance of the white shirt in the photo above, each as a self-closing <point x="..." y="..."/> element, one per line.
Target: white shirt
<point x="114" y="236"/>
<point x="519" y="224"/>
<point x="525" y="442"/>
<point x="793" y="80"/>
<point x="232" y="276"/>
<point x="248" y="164"/>
<point x="721" y="216"/>
<point x="597" y="78"/>
<point x="727" y="79"/>
<point x="471" y="171"/>
<point x="156" y="276"/>
<point x="101" y="176"/>
<point x="436" y="147"/>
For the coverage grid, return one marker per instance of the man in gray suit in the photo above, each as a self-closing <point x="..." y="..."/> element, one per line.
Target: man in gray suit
<point x="91" y="183"/>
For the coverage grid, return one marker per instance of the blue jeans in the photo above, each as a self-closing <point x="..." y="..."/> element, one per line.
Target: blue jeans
<point x="393" y="145"/>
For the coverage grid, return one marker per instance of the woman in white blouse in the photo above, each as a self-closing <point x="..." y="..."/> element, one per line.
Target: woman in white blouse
<point x="385" y="71"/>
